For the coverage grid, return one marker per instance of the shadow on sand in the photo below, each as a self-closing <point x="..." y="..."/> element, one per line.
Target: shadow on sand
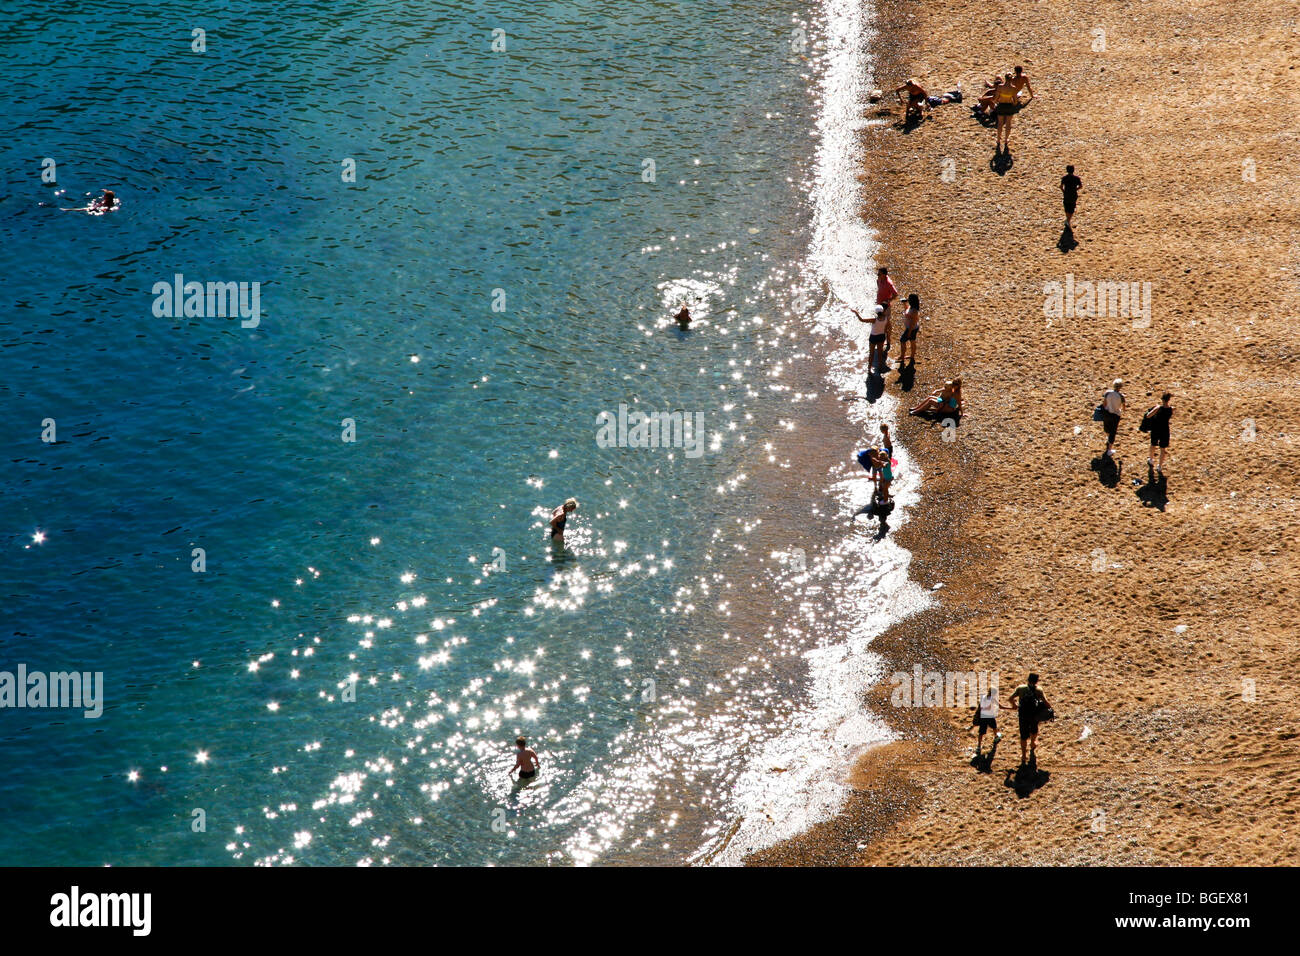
<point x="876" y="509"/>
<point x="1001" y="162"/>
<point x="1067" y="240"/>
<point x="983" y="762"/>
<point x="1026" y="778"/>
<point x="1108" y="470"/>
<point x="1155" y="493"/>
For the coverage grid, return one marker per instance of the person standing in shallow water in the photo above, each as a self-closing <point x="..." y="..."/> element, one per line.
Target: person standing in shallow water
<point x="526" y="761"/>
<point x="559" y="517"/>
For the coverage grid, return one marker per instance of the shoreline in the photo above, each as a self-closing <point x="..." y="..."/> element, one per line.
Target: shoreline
<point x="1146" y="624"/>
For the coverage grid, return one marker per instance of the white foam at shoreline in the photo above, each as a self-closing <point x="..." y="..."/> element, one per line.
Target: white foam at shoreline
<point x="798" y="777"/>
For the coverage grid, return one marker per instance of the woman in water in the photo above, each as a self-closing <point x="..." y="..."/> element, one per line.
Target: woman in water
<point x="558" y="518"/>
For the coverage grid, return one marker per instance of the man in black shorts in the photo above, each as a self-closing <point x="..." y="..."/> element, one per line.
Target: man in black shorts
<point x="1027" y="699"/>
<point x="1070" y="186"/>
<point x="526" y="761"/>
<point x="1157" y="421"/>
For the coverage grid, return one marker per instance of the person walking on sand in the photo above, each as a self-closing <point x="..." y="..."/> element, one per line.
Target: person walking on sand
<point x="911" y="325"/>
<point x="526" y="761"/>
<point x="1112" y="408"/>
<point x="1028" y="702"/>
<point x="1156" y="422"/>
<point x="559" y="517"/>
<point x="986" y="718"/>
<point x="1070" y="186"/>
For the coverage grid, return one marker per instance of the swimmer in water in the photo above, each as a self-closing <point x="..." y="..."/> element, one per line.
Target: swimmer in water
<point x="99" y="205"/>
<point x="526" y="761"/>
<point x="558" y="518"/>
<point x="683" y="318"/>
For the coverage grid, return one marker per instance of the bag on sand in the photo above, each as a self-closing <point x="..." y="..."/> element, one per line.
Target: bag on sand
<point x="1145" y="426"/>
<point x="1096" y="414"/>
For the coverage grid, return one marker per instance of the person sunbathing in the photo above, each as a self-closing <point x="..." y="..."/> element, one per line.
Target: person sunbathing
<point x="946" y="401"/>
<point x="938" y="99"/>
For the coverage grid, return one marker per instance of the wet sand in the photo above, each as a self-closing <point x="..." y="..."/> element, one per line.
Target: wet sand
<point x="1161" y="616"/>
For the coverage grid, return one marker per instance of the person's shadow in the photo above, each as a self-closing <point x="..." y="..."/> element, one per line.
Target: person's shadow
<point x="1067" y="240"/>
<point x="876" y="509"/>
<point x="907" y="377"/>
<point x="875" y="386"/>
<point x="1155" y="493"/>
<point x="987" y="120"/>
<point x="1026" y="778"/>
<point x="984" y="762"/>
<point x="1001" y="163"/>
<point x="1107" y="469"/>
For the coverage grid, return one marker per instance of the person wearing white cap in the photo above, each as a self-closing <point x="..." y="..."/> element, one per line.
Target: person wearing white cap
<point x="1112" y="407"/>
<point x="878" y="339"/>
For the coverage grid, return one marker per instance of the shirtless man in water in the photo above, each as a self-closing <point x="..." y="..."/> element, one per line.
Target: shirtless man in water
<point x="526" y="761"/>
<point x="99" y="205"/>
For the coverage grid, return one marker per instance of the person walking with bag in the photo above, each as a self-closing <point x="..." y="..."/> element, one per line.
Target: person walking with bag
<point x="1109" y="412"/>
<point x="1032" y="708"/>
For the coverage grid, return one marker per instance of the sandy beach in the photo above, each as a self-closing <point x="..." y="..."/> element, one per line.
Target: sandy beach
<point x="1161" y="615"/>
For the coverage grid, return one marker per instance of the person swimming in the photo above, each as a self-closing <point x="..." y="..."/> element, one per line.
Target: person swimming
<point x="99" y="205"/>
<point x="559" y="517"/>
<point x="683" y="318"/>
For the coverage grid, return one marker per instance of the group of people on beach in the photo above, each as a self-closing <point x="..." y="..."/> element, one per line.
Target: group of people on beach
<point x="1001" y="100"/>
<point x="882" y="325"/>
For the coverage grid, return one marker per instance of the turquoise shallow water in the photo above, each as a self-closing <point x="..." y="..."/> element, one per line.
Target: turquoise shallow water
<point x="513" y="178"/>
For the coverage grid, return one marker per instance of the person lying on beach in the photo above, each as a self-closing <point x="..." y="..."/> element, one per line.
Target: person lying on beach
<point x="946" y="401"/>
<point x="938" y="99"/>
<point x="559" y="517"/>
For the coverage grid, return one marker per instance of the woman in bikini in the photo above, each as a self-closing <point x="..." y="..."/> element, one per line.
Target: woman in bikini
<point x="1005" y="104"/>
<point x="558" y="519"/>
<point x="946" y="401"/>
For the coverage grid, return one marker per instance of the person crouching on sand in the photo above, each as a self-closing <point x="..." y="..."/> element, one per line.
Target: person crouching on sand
<point x="559" y="517"/>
